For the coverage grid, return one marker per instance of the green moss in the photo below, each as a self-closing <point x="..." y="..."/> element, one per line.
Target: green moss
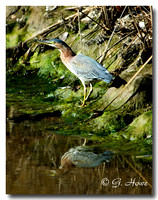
<point x="16" y="36"/>
<point x="109" y="122"/>
<point x="83" y="26"/>
<point x="140" y="127"/>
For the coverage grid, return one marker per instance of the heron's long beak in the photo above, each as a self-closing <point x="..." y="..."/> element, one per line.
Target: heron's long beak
<point x="46" y="42"/>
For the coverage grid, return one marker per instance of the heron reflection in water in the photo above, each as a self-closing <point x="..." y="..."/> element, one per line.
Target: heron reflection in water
<point x="82" y="157"/>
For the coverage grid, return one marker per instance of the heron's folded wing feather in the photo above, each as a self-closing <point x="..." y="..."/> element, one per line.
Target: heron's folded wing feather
<point x="88" y="68"/>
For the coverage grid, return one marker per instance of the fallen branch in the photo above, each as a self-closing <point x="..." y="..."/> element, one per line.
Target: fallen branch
<point x="133" y="77"/>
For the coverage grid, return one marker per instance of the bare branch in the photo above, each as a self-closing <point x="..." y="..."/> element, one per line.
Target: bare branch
<point x="133" y="77"/>
<point x="104" y="53"/>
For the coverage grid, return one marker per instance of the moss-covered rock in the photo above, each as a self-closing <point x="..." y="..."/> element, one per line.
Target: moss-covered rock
<point x="109" y="122"/>
<point x="141" y="127"/>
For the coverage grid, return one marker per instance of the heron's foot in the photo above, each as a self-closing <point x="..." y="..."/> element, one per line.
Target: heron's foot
<point x="83" y="104"/>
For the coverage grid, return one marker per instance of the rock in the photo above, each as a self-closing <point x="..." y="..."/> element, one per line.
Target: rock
<point x="140" y="127"/>
<point x="141" y="83"/>
<point x="64" y="36"/>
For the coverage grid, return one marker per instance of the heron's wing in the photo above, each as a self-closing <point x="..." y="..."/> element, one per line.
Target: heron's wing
<point x="87" y="68"/>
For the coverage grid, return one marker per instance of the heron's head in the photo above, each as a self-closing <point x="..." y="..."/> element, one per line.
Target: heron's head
<point x="57" y="43"/>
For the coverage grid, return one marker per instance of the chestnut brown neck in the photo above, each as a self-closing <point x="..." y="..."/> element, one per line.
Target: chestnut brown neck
<point x="66" y="53"/>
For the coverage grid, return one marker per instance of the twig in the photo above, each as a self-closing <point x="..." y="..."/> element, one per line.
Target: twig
<point x="133" y="77"/>
<point x="151" y="16"/>
<point x="135" y="24"/>
<point x="137" y="171"/>
<point x="104" y="10"/>
<point x="134" y="39"/>
<point x="115" y="44"/>
<point x="118" y="42"/>
<point x="54" y="25"/>
<point x="93" y="31"/>
<point x="105" y="28"/>
<point x="79" y="27"/>
<point x="146" y="9"/>
<point x="107" y="55"/>
<point x="71" y="8"/>
<point x="104" y="53"/>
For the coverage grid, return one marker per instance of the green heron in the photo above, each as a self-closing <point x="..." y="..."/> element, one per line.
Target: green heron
<point x="81" y="157"/>
<point x="84" y="67"/>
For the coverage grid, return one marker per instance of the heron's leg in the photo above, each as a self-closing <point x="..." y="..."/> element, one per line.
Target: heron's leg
<point x="90" y="91"/>
<point x="84" y="143"/>
<point x="84" y="98"/>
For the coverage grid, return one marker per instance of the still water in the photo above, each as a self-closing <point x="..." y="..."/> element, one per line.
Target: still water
<point x="40" y="161"/>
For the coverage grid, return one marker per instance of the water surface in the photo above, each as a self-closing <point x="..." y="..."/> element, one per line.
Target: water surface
<point x="34" y="163"/>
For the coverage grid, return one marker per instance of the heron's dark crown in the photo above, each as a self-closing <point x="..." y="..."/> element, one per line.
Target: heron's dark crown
<point x="59" y="42"/>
